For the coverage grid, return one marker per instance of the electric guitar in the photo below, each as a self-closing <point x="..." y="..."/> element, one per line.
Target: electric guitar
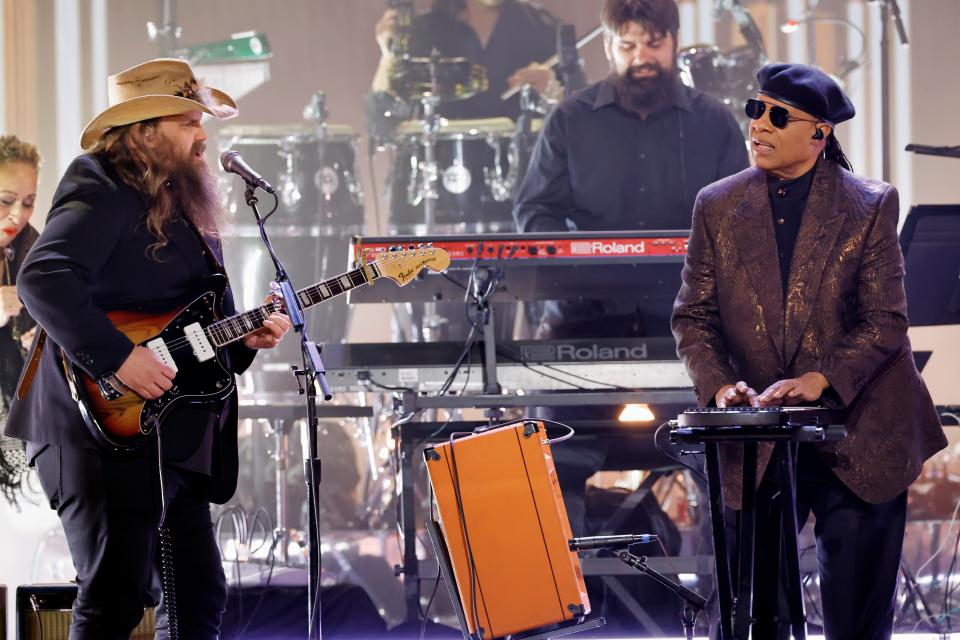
<point x="191" y="339"/>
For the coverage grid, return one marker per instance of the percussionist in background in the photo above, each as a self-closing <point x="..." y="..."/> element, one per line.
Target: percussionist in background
<point x="509" y="38"/>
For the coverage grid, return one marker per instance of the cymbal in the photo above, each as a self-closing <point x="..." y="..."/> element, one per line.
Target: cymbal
<point x="456" y="78"/>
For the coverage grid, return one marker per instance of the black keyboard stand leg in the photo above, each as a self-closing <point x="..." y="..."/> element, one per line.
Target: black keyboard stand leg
<point x="789" y="550"/>
<point x="746" y="543"/>
<point x="720" y="549"/>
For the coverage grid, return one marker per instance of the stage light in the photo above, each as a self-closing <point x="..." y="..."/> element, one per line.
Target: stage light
<point x="790" y="26"/>
<point x="636" y="413"/>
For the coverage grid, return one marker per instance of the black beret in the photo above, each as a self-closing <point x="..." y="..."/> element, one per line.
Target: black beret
<point x="807" y="88"/>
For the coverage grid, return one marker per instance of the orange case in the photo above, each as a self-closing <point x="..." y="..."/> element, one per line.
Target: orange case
<point x="525" y="576"/>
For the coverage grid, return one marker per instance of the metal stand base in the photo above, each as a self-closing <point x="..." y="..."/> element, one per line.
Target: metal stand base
<point x="446" y="571"/>
<point x="736" y="607"/>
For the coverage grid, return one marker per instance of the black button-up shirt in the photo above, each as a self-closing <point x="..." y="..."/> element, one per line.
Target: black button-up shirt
<point x="597" y="166"/>
<point x="523" y="34"/>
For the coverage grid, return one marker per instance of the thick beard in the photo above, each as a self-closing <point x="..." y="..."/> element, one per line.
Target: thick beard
<point x="644" y="95"/>
<point x="195" y="191"/>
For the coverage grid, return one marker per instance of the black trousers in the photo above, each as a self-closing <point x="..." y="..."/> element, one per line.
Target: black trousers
<point x="109" y="506"/>
<point x="858" y="552"/>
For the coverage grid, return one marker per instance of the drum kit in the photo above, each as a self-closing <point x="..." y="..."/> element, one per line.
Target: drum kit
<point x="728" y="77"/>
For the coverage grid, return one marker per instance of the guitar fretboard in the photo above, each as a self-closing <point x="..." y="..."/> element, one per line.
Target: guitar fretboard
<point x="231" y="329"/>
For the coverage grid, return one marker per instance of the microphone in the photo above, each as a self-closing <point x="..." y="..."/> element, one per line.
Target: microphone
<point x="232" y="162"/>
<point x="610" y="542"/>
<point x="569" y="65"/>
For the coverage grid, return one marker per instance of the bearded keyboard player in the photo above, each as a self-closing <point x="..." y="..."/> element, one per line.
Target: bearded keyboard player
<point x="793" y="285"/>
<point x="134" y="226"/>
<point x="628" y="153"/>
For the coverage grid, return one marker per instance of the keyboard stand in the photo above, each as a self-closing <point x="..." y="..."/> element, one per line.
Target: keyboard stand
<point x="736" y="612"/>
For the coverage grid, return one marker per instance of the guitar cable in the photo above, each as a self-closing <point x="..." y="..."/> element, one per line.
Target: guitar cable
<point x="167" y="571"/>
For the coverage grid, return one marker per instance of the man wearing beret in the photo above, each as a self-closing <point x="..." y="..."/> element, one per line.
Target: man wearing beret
<point x="793" y="285"/>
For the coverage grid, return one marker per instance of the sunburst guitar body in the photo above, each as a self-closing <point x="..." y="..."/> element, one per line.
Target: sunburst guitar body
<point x="191" y="340"/>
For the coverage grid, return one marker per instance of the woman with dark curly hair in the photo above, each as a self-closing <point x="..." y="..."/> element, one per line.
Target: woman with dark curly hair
<point x="19" y="168"/>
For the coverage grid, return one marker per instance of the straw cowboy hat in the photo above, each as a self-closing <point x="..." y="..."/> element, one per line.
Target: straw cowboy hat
<point x="161" y="87"/>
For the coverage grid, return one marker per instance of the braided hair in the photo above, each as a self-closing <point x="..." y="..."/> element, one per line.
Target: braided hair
<point x="834" y="152"/>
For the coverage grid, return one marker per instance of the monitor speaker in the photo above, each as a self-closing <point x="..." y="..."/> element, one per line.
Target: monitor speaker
<point x="44" y="613"/>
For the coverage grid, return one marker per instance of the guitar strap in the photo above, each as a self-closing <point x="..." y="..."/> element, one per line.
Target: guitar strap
<point x="33" y="363"/>
<point x="215" y="265"/>
<point x="36" y="349"/>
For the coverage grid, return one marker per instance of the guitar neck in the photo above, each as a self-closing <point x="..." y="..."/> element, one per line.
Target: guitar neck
<point x="223" y="332"/>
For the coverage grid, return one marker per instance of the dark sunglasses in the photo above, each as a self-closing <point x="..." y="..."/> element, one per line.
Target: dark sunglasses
<point x="779" y="117"/>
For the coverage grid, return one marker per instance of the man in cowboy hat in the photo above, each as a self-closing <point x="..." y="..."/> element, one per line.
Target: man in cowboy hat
<point x="134" y="226"/>
<point x="793" y="285"/>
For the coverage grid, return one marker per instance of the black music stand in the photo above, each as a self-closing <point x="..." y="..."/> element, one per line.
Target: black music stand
<point x="930" y="241"/>
<point x="736" y="613"/>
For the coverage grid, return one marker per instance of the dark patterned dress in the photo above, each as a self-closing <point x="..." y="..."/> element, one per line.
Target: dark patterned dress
<point x="13" y="462"/>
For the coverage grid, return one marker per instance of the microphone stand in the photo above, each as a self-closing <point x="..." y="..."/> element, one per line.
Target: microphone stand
<point x="888" y="8"/>
<point x="693" y="603"/>
<point x="312" y="374"/>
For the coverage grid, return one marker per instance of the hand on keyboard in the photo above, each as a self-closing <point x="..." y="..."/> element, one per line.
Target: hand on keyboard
<point x="734" y="395"/>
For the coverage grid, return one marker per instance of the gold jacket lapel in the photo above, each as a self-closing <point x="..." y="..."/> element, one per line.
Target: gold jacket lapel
<point x="757" y="247"/>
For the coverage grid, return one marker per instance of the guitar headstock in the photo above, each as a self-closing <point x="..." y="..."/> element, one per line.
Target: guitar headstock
<point x="403" y="265"/>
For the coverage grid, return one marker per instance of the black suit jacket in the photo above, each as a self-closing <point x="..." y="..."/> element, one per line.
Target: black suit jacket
<point x="844" y="315"/>
<point x="93" y="256"/>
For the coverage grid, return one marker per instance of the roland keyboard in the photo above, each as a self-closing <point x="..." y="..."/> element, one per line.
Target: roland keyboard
<point x="597" y="265"/>
<point x="533" y="365"/>
<point x="574" y="247"/>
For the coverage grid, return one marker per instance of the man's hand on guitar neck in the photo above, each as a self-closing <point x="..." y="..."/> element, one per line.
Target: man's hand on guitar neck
<point x="274" y="328"/>
<point x="145" y="374"/>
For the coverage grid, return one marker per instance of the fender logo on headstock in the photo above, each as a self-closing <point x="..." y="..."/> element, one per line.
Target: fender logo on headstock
<point x="409" y="274"/>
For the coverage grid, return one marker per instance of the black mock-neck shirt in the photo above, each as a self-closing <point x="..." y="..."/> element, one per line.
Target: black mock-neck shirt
<point x="788" y="199"/>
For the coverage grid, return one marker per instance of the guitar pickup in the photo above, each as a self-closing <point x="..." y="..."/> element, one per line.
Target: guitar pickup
<point x="159" y="347"/>
<point x="202" y="349"/>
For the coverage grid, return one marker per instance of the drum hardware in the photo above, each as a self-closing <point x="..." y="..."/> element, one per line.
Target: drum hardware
<point x="474" y="165"/>
<point x="533" y="107"/>
<point x="502" y="188"/>
<point x="290" y="179"/>
<point x="313" y="168"/>
<point x="427" y="170"/>
<point x="449" y="79"/>
<point x="728" y="77"/>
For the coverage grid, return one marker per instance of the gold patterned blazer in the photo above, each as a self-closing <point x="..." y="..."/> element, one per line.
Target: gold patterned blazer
<point x="845" y="315"/>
